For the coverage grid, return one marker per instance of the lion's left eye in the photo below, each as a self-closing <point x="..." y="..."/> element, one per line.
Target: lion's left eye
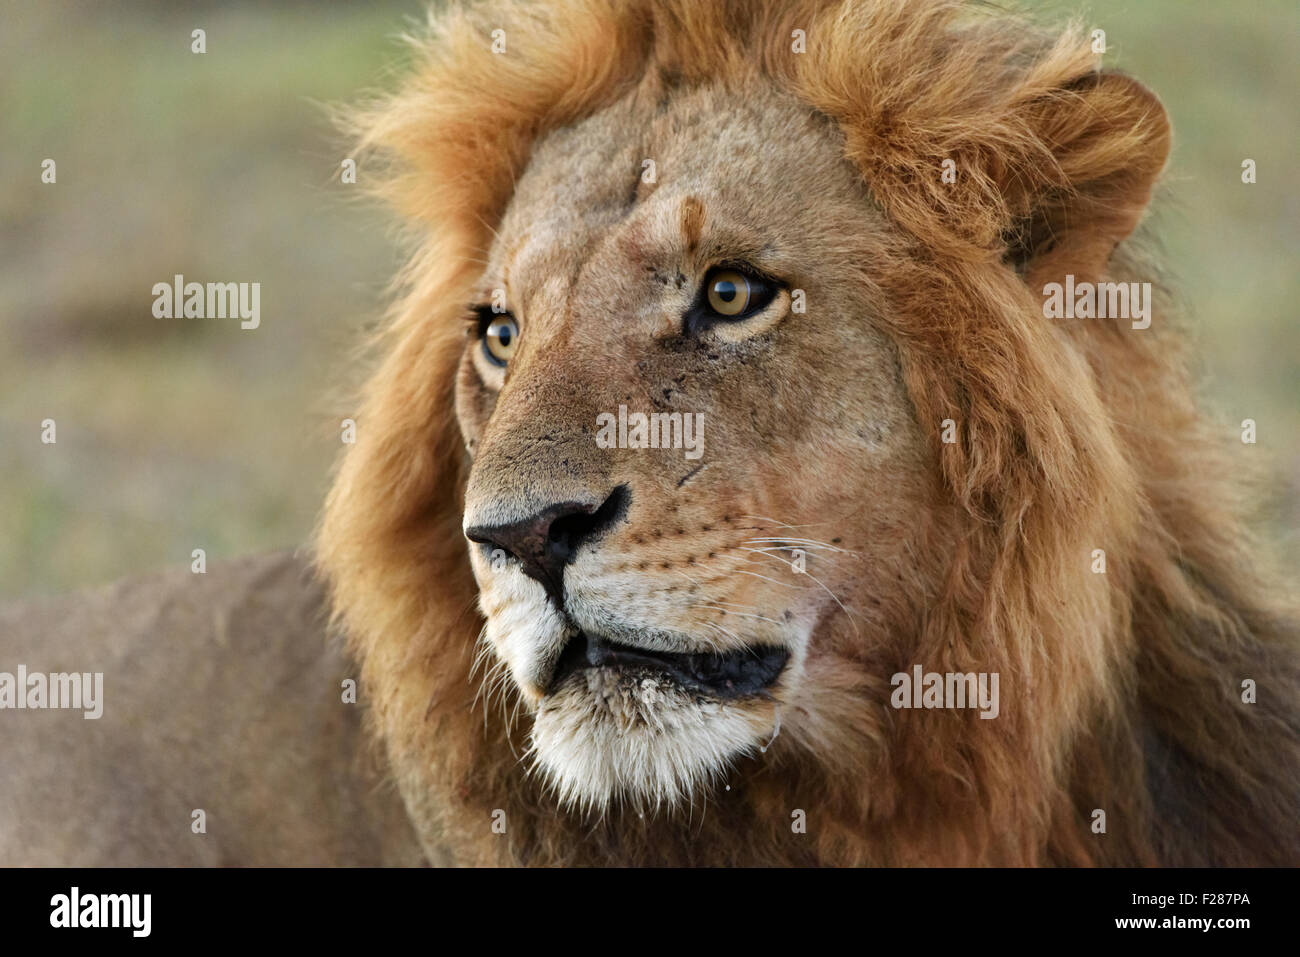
<point x="732" y="294"/>
<point x="728" y="293"/>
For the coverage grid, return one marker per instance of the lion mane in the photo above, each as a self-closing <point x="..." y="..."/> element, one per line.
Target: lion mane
<point x="1072" y="438"/>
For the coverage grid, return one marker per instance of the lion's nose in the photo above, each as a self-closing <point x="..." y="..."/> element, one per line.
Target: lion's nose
<point x="547" y="541"/>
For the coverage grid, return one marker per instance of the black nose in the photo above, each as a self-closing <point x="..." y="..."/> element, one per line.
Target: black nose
<point x="548" y="540"/>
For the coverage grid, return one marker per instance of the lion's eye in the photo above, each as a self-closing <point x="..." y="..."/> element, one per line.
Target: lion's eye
<point x="728" y="293"/>
<point x="499" y="339"/>
<point x="731" y="294"/>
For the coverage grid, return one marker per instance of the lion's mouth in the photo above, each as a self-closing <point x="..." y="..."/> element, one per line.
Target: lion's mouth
<point x="734" y="674"/>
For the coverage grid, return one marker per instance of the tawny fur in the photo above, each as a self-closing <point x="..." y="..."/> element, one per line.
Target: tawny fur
<point x="1073" y="437"/>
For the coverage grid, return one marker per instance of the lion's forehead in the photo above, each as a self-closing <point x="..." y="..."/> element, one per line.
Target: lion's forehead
<point x="748" y="167"/>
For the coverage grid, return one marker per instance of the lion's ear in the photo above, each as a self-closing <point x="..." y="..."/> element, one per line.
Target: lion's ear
<point x="1108" y="137"/>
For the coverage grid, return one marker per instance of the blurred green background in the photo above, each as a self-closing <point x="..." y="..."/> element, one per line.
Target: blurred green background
<point x="174" y="435"/>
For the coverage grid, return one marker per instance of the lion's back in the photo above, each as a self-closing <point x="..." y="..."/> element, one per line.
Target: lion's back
<point x="219" y="694"/>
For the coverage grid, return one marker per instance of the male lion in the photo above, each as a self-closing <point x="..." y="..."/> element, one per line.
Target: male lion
<point x="909" y="574"/>
<point x="744" y="212"/>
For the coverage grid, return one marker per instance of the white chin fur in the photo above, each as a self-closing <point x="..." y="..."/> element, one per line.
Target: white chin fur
<point x="609" y="737"/>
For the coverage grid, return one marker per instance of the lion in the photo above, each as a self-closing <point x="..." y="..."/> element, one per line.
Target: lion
<point x="723" y="492"/>
<point x="824" y="230"/>
<point x="222" y="734"/>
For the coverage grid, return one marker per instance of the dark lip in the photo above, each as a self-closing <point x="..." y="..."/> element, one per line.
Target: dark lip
<point x="735" y="674"/>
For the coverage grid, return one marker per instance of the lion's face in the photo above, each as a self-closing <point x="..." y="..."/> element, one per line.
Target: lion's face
<point x="819" y="269"/>
<point x="662" y="610"/>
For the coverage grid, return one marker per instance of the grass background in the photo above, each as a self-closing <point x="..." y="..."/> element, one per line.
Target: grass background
<point x="174" y="435"/>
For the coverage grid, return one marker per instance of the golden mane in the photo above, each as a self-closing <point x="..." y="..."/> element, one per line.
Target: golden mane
<point x="1072" y="438"/>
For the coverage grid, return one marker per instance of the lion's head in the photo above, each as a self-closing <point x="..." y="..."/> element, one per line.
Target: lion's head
<point x="723" y="389"/>
<point x="678" y="465"/>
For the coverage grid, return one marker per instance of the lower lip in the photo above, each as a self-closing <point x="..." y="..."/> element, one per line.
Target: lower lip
<point x="738" y="674"/>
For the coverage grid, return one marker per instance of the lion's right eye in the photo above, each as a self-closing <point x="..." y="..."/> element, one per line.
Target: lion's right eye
<point x="499" y="338"/>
